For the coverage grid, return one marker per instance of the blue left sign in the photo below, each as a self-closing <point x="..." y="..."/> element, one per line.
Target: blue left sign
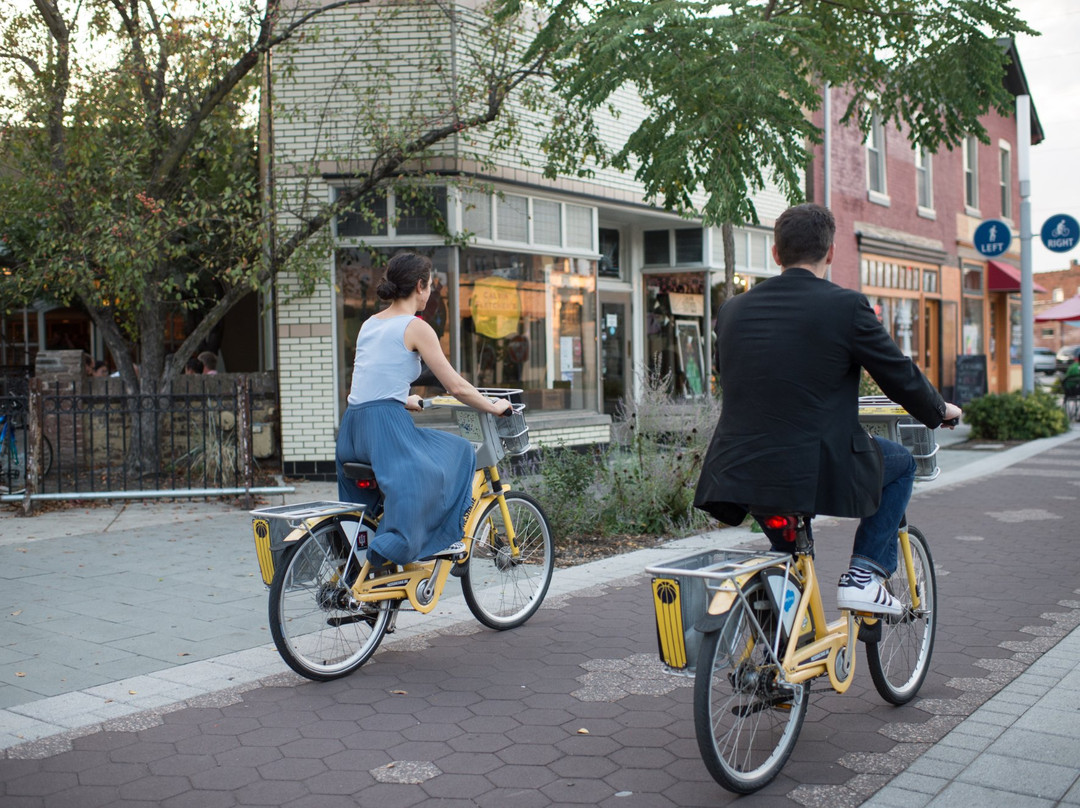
<point x="992" y="237"/>
<point x="1059" y="233"/>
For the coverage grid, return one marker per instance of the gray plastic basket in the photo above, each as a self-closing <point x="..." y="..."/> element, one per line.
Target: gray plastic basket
<point x="887" y="419"/>
<point x="514" y="432"/>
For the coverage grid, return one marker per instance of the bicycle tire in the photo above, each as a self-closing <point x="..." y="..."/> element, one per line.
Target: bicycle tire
<point x="1072" y="408"/>
<point x="900" y="659"/>
<point x="501" y="591"/>
<point x="746" y="725"/>
<point x="13" y="460"/>
<point x="313" y="630"/>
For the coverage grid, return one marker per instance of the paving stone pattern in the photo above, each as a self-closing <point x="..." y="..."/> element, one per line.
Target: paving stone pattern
<point x="572" y="708"/>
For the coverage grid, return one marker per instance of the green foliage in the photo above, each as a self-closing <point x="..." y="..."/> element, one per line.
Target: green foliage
<point x="644" y="486"/>
<point x="868" y="387"/>
<point x="727" y="84"/>
<point x="1015" y="416"/>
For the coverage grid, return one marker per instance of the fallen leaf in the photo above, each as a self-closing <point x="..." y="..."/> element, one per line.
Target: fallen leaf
<point x="16" y="613"/>
<point x="399" y="692"/>
<point x="20" y="674"/>
<point x="583" y="731"/>
<point x="108" y="701"/>
<point x="21" y="550"/>
<point x="131" y="692"/>
<point x="183" y="653"/>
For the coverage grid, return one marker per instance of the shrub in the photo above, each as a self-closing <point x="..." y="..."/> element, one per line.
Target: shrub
<point x="644" y="485"/>
<point x="1015" y="416"/>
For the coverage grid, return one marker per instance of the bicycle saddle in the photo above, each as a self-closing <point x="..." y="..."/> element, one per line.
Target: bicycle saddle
<point x="358" y="471"/>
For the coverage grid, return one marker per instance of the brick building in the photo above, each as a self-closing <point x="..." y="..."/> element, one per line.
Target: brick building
<point x="569" y="289"/>
<point x="905" y="221"/>
<point x="1059" y="286"/>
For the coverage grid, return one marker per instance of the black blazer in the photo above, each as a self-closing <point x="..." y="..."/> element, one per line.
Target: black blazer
<point x="788" y="439"/>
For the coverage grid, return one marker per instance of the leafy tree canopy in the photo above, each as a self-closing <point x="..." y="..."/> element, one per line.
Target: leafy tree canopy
<point x="129" y="154"/>
<point x="729" y="85"/>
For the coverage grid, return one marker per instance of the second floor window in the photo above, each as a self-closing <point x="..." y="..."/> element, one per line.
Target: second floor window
<point x="875" y="156"/>
<point x="971" y="172"/>
<point x="924" y="179"/>
<point x="1005" y="160"/>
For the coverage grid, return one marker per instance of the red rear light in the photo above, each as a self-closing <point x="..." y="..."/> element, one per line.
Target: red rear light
<point x="776" y="522"/>
<point x="366" y="485"/>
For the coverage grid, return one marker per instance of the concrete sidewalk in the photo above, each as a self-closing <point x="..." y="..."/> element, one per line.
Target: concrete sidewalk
<point x="112" y="614"/>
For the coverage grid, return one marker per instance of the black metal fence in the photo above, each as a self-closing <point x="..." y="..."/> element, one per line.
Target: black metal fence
<point x="90" y="439"/>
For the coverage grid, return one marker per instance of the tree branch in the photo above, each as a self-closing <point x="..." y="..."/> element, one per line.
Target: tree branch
<point x="171" y="159"/>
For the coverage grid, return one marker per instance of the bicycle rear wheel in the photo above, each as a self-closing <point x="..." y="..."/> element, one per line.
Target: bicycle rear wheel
<point x="317" y="628"/>
<point x="13" y="457"/>
<point x="747" y="722"/>
<point x="503" y="590"/>
<point x="899" y="661"/>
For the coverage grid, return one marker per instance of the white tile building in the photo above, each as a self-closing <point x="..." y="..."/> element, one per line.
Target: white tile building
<point x="569" y="289"/>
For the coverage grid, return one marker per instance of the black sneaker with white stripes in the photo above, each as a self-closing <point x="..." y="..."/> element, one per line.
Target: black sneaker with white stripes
<point x="862" y="591"/>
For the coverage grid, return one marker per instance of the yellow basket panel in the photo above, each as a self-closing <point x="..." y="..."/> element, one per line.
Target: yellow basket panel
<point x="261" y="529"/>
<point x="667" y="600"/>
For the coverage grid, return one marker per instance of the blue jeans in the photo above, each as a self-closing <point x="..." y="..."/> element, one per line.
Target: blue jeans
<point x="875" y="539"/>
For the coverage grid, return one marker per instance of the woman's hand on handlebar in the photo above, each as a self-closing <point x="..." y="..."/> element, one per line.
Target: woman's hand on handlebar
<point x="414" y="403"/>
<point x="501" y="406"/>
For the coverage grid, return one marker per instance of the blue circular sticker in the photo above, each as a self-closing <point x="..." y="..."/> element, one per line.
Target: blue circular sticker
<point x="1059" y="233"/>
<point x="992" y="238"/>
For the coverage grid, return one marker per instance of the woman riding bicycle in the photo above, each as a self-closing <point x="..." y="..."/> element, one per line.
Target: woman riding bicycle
<point x="425" y="474"/>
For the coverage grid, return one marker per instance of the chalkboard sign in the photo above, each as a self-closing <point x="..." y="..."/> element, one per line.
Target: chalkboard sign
<point x="970" y="378"/>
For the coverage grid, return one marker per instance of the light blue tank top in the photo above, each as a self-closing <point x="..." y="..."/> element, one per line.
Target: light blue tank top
<point x="384" y="368"/>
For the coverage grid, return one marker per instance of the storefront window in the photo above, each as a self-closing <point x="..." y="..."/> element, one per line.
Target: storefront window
<point x="674" y="332"/>
<point x="902" y="319"/>
<point x="973" y="326"/>
<point x="1015" y="332"/>
<point x="529" y="321"/>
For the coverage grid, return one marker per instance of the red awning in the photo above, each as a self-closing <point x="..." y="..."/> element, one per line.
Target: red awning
<point x="1004" y="278"/>
<point x="1063" y="312"/>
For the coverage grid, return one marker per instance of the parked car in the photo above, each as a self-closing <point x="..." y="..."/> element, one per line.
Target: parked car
<point x="1045" y="361"/>
<point x="1066" y="356"/>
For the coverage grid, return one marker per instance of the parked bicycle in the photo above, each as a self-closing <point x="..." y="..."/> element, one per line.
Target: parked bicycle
<point x="14" y="455"/>
<point x="762" y="637"/>
<point x="327" y="616"/>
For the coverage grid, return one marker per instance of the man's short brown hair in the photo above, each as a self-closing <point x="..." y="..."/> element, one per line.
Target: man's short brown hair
<point x="803" y="234"/>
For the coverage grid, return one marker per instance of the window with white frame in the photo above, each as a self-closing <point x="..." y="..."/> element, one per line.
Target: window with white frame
<point x="875" y="156"/>
<point x="971" y="172"/>
<point x="924" y="179"/>
<point x="1005" y="179"/>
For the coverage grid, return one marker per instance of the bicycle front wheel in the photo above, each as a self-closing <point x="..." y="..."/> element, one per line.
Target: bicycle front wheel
<point x="747" y="720"/>
<point x="502" y="589"/>
<point x="317" y="628"/>
<point x="899" y="661"/>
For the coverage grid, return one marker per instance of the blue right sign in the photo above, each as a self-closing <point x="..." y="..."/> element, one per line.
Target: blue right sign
<point x="992" y="237"/>
<point x="1059" y="233"/>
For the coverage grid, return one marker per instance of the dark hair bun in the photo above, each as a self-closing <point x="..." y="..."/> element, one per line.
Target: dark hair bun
<point x="387" y="290"/>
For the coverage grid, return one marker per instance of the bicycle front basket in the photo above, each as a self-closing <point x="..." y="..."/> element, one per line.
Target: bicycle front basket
<point x="514" y="433"/>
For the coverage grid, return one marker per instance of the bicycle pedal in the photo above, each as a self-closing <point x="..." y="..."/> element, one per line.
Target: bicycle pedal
<point x="459" y="569"/>
<point x="348" y="620"/>
<point x="870" y="632"/>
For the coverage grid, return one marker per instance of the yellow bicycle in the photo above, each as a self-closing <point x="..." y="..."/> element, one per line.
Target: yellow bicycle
<point x="327" y="616"/>
<point x="757" y="627"/>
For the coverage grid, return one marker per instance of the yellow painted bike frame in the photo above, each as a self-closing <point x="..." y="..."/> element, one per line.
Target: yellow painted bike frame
<point x="803" y="661"/>
<point x="486" y="488"/>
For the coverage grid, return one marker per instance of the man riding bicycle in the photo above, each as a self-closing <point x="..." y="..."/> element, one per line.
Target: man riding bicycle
<point x="790" y="354"/>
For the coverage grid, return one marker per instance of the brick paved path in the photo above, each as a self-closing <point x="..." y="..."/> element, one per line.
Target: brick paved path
<point x="573" y="709"/>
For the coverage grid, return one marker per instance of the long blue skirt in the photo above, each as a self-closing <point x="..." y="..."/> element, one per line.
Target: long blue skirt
<point x="425" y="474"/>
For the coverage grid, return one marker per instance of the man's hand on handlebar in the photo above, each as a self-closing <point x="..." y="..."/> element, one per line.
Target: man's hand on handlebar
<point x="952" y="416"/>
